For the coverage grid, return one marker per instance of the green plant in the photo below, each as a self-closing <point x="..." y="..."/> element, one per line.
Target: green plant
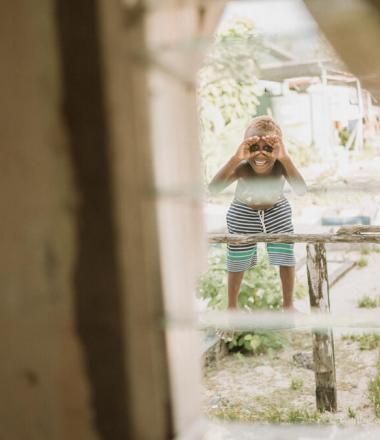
<point x="228" y="84"/>
<point x="374" y="392"/>
<point x="367" y="302"/>
<point x="273" y="415"/>
<point x="296" y="384"/>
<point x="365" y="250"/>
<point x="243" y="412"/>
<point x="344" y="135"/>
<point x="294" y="415"/>
<point x="228" y="91"/>
<point x="300" y="290"/>
<point x="212" y="285"/>
<point x="260" y="289"/>
<point x="351" y="413"/>
<point x="258" y="342"/>
<point x="303" y="416"/>
<point x="367" y="341"/>
<point x="362" y="262"/>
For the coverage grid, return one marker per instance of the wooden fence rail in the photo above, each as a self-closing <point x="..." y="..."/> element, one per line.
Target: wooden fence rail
<point x="317" y="276"/>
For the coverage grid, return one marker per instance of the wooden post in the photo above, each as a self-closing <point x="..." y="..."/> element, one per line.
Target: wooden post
<point x="323" y="342"/>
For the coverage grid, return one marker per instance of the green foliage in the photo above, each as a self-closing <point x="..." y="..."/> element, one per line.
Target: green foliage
<point x="300" y="290"/>
<point x="212" y="285"/>
<point x="367" y="302"/>
<point x="228" y="92"/>
<point x="367" y="341"/>
<point x="351" y="413"/>
<point x="296" y="384"/>
<point x="260" y="290"/>
<point x="374" y="392"/>
<point x="258" y="342"/>
<point x="294" y="415"/>
<point x="260" y="287"/>
<point x="241" y="412"/>
<point x="228" y="86"/>
<point x="344" y="135"/>
<point x="303" y="416"/>
<point x="362" y="262"/>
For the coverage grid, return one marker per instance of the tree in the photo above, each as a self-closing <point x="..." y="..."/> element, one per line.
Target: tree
<point x="228" y="89"/>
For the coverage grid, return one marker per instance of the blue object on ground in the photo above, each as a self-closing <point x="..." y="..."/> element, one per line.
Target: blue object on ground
<point x="337" y="221"/>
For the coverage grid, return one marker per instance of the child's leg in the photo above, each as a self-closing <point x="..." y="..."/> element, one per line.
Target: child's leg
<point x="287" y="275"/>
<point x="279" y="221"/>
<point x="234" y="283"/>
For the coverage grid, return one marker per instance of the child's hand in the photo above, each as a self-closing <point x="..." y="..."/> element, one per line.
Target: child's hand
<point x="243" y="152"/>
<point x="279" y="150"/>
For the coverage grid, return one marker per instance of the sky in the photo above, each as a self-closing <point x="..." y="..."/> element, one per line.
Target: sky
<point x="273" y="16"/>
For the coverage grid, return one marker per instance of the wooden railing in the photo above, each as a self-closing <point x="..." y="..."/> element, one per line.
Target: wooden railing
<point x="318" y="286"/>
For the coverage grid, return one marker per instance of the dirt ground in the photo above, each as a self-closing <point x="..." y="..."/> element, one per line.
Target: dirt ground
<point x="257" y="389"/>
<point x="272" y="388"/>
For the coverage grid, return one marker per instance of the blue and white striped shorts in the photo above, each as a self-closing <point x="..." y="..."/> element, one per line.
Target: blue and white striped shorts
<point x="241" y="219"/>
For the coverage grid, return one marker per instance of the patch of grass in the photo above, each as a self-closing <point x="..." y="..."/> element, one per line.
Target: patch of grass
<point x="303" y="416"/>
<point x="362" y="262"/>
<point x="294" y="415"/>
<point x="243" y="413"/>
<point x="367" y="341"/>
<point x="273" y="415"/>
<point x="296" y="384"/>
<point x="351" y="413"/>
<point x="368" y="302"/>
<point x="225" y="410"/>
<point x="365" y="250"/>
<point x="374" y="392"/>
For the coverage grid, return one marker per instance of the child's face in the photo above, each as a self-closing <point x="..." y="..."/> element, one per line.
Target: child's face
<point x="262" y="156"/>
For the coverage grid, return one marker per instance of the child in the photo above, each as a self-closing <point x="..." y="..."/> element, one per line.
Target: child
<point x="260" y="165"/>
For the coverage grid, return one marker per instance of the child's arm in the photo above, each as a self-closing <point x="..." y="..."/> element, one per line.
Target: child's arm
<point x="292" y="175"/>
<point x="230" y="171"/>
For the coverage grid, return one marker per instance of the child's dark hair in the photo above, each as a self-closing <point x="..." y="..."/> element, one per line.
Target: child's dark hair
<point x="265" y="123"/>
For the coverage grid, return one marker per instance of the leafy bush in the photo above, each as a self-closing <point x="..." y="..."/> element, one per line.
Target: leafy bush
<point x="228" y="92"/>
<point x="260" y="290"/>
<point x="228" y="85"/>
<point x="258" y="342"/>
